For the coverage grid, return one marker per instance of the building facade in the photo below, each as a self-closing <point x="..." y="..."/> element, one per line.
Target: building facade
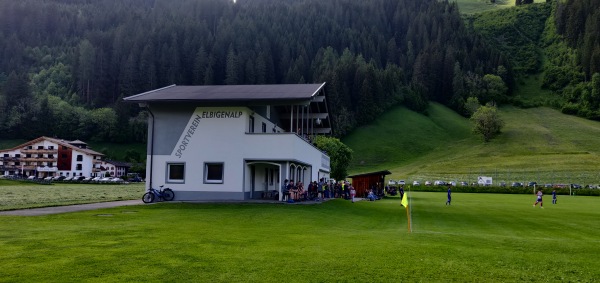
<point x="114" y="168"/>
<point x="48" y="157"/>
<point x="234" y="142"/>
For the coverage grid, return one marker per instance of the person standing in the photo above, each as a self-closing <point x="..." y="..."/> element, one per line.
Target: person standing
<point x="539" y="199"/>
<point x="352" y="193"/>
<point x="554" y="197"/>
<point x="284" y="190"/>
<point x="449" y="195"/>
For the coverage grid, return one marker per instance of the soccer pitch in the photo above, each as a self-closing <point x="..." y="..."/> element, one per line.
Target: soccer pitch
<point x="479" y="238"/>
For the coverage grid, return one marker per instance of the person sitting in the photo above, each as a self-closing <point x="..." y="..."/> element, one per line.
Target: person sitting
<point x="371" y="196"/>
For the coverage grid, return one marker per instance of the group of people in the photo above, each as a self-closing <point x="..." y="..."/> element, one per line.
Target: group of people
<point x="539" y="200"/>
<point x="539" y="195"/>
<point x="293" y="192"/>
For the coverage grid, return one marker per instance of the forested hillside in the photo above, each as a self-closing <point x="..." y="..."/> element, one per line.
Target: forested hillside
<point x="66" y="64"/>
<point x="574" y="66"/>
<point x="557" y="40"/>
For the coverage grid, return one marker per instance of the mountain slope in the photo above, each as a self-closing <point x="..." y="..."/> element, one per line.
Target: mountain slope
<point x="536" y="144"/>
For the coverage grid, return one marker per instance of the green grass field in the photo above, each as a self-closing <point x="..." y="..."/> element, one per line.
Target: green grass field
<point x="480" y="238"/>
<point x="18" y="195"/>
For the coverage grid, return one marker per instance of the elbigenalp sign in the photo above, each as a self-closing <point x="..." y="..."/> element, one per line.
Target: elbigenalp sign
<point x="202" y="115"/>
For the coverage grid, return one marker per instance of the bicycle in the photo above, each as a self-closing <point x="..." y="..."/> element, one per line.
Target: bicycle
<point x="164" y="194"/>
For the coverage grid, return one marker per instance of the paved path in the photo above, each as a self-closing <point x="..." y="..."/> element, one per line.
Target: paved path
<point x="69" y="208"/>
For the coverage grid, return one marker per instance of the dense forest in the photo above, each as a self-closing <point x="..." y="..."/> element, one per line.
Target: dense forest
<point x="574" y="65"/>
<point x="65" y="65"/>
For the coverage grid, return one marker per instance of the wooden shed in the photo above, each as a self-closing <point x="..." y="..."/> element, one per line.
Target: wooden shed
<point x="362" y="183"/>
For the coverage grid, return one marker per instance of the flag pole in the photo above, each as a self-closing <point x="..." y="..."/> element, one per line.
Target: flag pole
<point x="408" y="212"/>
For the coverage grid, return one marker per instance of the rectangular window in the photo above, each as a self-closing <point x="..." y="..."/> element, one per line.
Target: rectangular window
<point x="40" y="147"/>
<point x="251" y="125"/>
<point x="79" y="157"/>
<point x="50" y="147"/>
<point x="213" y="173"/>
<point x="175" y="172"/>
<point x="264" y="127"/>
<point x="17" y="155"/>
<point x="79" y="167"/>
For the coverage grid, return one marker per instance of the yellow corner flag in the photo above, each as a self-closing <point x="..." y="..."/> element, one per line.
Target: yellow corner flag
<point x="404" y="200"/>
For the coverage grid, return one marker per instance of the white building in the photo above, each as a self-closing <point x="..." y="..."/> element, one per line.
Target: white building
<point x="234" y="142"/>
<point x="114" y="168"/>
<point x="45" y="157"/>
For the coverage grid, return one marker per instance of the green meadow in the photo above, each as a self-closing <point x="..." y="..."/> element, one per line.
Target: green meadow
<point x="19" y="194"/>
<point x="537" y="144"/>
<point x="477" y="6"/>
<point x="479" y="238"/>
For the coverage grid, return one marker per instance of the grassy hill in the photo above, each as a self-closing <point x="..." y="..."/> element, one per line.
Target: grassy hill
<point x="537" y="144"/>
<point x="476" y="6"/>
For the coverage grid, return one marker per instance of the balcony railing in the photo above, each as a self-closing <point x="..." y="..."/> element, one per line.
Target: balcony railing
<point x="36" y="151"/>
<point x="39" y="159"/>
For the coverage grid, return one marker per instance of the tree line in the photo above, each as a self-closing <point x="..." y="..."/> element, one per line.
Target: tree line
<point x="67" y="64"/>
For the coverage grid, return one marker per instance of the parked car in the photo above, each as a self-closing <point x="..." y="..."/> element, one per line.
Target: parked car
<point x="96" y="179"/>
<point x="439" y="183"/>
<point x="116" y="180"/>
<point x="502" y="184"/>
<point x="575" y="186"/>
<point x="31" y="178"/>
<point x="401" y="182"/>
<point x="49" y="178"/>
<point x="68" y="179"/>
<point x="79" y="178"/>
<point x="392" y="182"/>
<point x="548" y="186"/>
<point x="516" y="184"/>
<point x="531" y="184"/>
<point x="427" y="183"/>
<point x="591" y="186"/>
<point x="416" y="183"/>
<point x="105" y="180"/>
<point x="464" y="184"/>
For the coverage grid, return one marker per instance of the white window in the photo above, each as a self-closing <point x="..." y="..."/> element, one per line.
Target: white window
<point x="175" y="172"/>
<point x="213" y="173"/>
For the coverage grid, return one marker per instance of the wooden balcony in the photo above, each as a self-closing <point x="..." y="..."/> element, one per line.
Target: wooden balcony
<point x="39" y="151"/>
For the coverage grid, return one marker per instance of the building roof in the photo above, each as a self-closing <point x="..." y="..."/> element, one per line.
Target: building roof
<point x="224" y="93"/>
<point x="56" y="141"/>
<point x="118" y="163"/>
<point x="384" y="172"/>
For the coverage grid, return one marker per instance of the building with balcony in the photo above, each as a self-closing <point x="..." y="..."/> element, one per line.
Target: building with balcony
<point x="47" y="157"/>
<point x="234" y="142"/>
<point x="115" y="168"/>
